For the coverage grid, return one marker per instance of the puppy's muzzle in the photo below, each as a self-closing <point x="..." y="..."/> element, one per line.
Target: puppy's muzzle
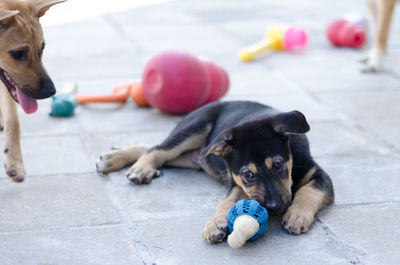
<point x="46" y="89"/>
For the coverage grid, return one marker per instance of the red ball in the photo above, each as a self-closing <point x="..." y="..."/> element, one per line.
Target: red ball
<point x="177" y="82"/>
<point x="219" y="81"/>
<point x="343" y="33"/>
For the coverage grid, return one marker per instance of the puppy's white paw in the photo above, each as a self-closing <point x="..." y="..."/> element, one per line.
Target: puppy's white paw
<point x="297" y="220"/>
<point x="215" y="230"/>
<point x="142" y="174"/>
<point x="110" y="161"/>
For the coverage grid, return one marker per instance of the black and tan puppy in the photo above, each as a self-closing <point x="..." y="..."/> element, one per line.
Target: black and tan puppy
<point x="259" y="152"/>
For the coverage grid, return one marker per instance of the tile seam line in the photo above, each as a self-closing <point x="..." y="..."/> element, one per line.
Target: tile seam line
<point x="373" y="203"/>
<point x="352" y="253"/>
<point x="143" y="252"/>
<point x="64" y="228"/>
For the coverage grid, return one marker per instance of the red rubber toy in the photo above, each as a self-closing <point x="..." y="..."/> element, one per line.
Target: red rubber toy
<point x="343" y="33"/>
<point x="177" y="82"/>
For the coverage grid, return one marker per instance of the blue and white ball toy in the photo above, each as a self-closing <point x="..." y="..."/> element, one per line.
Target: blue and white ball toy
<point x="247" y="221"/>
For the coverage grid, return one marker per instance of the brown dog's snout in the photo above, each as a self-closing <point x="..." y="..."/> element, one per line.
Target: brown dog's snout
<point x="45" y="89"/>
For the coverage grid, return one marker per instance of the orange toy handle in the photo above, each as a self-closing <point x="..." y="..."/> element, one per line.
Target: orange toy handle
<point x="120" y="94"/>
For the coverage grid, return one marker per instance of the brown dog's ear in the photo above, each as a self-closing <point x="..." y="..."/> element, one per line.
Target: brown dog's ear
<point x="5" y="15"/>
<point x="221" y="145"/>
<point x="288" y="123"/>
<point x="40" y="7"/>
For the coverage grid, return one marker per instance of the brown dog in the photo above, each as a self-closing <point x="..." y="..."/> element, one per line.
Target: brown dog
<point x="23" y="76"/>
<point x="381" y="14"/>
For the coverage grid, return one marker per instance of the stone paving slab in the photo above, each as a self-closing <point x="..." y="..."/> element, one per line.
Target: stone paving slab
<point x="49" y="202"/>
<point x="345" y="82"/>
<point x="365" y="105"/>
<point x="78" y="246"/>
<point x="368" y="230"/>
<point x="53" y="155"/>
<point x="386" y="130"/>
<point x="170" y="241"/>
<point x="177" y="193"/>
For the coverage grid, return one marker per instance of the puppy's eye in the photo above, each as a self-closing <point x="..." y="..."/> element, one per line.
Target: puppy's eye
<point x="248" y="175"/>
<point x="19" y="55"/>
<point x="277" y="165"/>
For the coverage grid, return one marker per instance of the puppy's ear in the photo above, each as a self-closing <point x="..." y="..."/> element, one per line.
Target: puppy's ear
<point x="288" y="123"/>
<point x="221" y="145"/>
<point x="40" y="7"/>
<point x="6" y="15"/>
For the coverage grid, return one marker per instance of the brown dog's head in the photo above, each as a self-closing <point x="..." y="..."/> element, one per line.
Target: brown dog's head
<point x="22" y="44"/>
<point x="259" y="157"/>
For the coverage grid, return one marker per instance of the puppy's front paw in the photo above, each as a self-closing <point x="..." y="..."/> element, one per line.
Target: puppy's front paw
<point x="111" y="161"/>
<point x="215" y="230"/>
<point x="142" y="174"/>
<point x="297" y="220"/>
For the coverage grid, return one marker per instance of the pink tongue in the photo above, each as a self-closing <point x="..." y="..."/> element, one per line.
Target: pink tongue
<point x="28" y="104"/>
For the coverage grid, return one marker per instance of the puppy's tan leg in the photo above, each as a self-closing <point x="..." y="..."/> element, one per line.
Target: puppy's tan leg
<point x="12" y="150"/>
<point x="119" y="158"/>
<point x="216" y="229"/>
<point x="183" y="161"/>
<point x="378" y="51"/>
<point x="143" y="171"/>
<point x="307" y="201"/>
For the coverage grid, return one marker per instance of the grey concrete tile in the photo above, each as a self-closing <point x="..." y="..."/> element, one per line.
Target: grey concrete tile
<point x="363" y="176"/>
<point x="95" y="246"/>
<point x="152" y="15"/>
<point x="177" y="193"/>
<point x="55" y="202"/>
<point x="41" y="124"/>
<point x="362" y="170"/>
<point x="338" y="137"/>
<point x="386" y="130"/>
<point x="179" y="241"/>
<point x="365" y="105"/>
<point x="84" y="39"/>
<point x="198" y="39"/>
<point x="344" y="82"/>
<point x="99" y="143"/>
<point x="369" y="230"/>
<point x="53" y="155"/>
<point x="124" y="117"/>
<point x="312" y="109"/>
<point x="75" y="68"/>
<point x="257" y="81"/>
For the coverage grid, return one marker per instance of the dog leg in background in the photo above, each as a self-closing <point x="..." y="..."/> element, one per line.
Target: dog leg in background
<point x="12" y="148"/>
<point x="373" y="9"/>
<point x="315" y="193"/>
<point x="1" y="121"/>
<point x="216" y="229"/>
<point x="381" y="12"/>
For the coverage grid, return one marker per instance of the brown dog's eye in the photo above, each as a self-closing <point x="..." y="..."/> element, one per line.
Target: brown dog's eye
<point x="248" y="175"/>
<point x="19" y="55"/>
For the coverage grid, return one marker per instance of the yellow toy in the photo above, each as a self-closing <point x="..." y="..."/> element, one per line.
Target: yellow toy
<point x="277" y="38"/>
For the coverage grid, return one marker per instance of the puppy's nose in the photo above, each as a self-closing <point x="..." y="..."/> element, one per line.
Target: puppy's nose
<point x="46" y="89"/>
<point x="273" y="207"/>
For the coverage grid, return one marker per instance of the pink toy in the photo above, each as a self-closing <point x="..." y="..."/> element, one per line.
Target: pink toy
<point x="177" y="82"/>
<point x="343" y="33"/>
<point x="277" y="38"/>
